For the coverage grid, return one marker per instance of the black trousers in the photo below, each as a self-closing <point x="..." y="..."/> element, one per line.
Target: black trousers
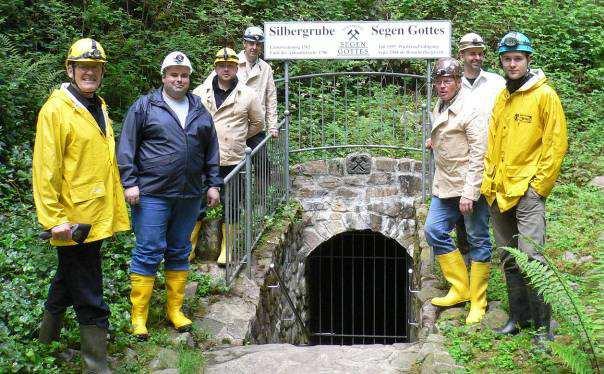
<point x="78" y="282"/>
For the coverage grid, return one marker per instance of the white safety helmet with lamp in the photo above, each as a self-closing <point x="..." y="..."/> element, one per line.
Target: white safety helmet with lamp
<point x="176" y="58"/>
<point x="471" y="40"/>
<point x="254" y="34"/>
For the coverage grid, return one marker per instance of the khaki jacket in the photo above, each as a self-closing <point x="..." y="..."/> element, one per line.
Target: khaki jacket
<point x="74" y="171"/>
<point x="527" y="142"/>
<point x="239" y="117"/>
<point x="260" y="78"/>
<point x="459" y="142"/>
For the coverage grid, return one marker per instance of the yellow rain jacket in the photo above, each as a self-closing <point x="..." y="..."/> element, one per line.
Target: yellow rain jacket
<point x="527" y="141"/>
<point x="75" y="175"/>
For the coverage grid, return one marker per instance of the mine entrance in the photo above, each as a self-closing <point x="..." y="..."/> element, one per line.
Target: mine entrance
<point x="357" y="285"/>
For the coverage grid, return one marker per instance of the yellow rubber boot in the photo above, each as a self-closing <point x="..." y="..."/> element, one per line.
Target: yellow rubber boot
<point x="176" y="281"/>
<point x="479" y="280"/>
<point x="222" y="258"/>
<point x="142" y="288"/>
<point x="455" y="272"/>
<point x="194" y="239"/>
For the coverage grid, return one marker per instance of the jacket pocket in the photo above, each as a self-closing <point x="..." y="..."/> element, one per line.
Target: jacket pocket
<point x="518" y="178"/>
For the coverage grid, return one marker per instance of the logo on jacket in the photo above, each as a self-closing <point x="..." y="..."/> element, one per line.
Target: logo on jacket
<point x="523" y="118"/>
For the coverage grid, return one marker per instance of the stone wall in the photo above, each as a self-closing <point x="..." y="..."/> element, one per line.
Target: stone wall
<point x="338" y="195"/>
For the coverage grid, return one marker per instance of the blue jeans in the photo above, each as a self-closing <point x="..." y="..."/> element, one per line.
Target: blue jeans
<point x="163" y="226"/>
<point x="443" y="215"/>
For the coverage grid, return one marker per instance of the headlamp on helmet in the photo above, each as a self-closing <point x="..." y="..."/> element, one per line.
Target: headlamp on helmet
<point x="176" y="58"/>
<point x="253" y="34"/>
<point x="446" y="67"/>
<point x="515" y="42"/>
<point x="471" y="40"/>
<point x="226" y="55"/>
<point x="86" y="50"/>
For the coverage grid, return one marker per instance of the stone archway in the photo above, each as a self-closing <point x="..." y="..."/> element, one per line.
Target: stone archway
<point x="358" y="291"/>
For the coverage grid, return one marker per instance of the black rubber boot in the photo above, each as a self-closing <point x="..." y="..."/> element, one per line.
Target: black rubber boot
<point x="542" y="314"/>
<point x="50" y="329"/>
<point x="93" y="342"/>
<point x="518" y="298"/>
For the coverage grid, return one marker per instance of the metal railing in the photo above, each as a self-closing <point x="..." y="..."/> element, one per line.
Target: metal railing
<point x="252" y="192"/>
<point x="325" y="115"/>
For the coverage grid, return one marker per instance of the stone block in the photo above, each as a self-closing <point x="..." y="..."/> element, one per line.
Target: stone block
<point x="358" y="163"/>
<point x="340" y="206"/>
<point x="318" y="167"/>
<point x="384" y="164"/>
<point x="355" y="180"/>
<point x="311" y="206"/>
<point x="329" y="182"/>
<point x="382" y="191"/>
<point x="165" y="359"/>
<point x="410" y="184"/>
<point x="310" y="192"/>
<point x="389" y="208"/>
<point x="405" y="165"/>
<point x="380" y="178"/>
<point x="346" y="192"/>
<point x="375" y="221"/>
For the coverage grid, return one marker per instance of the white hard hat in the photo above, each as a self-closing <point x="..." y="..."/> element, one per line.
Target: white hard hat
<point x="176" y="58"/>
<point x="470" y="40"/>
<point x="254" y="34"/>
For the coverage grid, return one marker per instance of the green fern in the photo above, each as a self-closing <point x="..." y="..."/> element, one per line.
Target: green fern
<point x="550" y="283"/>
<point x="577" y="361"/>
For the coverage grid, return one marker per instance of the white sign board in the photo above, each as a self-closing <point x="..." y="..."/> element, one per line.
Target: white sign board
<point x="357" y="40"/>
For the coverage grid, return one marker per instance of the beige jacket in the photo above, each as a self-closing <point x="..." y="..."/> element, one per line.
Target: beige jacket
<point x="260" y="78"/>
<point x="459" y="140"/>
<point x="240" y="117"/>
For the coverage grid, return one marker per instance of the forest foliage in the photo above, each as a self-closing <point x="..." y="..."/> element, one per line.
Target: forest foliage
<point x="35" y="35"/>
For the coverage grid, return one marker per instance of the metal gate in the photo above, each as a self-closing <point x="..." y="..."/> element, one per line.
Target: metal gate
<point x="358" y="290"/>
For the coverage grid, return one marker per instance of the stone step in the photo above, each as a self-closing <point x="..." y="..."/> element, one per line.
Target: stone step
<point x="290" y="359"/>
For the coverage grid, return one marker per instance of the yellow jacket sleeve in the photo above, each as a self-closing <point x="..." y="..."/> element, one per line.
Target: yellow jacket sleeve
<point x="47" y="168"/>
<point x="555" y="144"/>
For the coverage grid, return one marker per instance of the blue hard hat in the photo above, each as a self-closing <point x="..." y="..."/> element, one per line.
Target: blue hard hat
<point x="515" y="41"/>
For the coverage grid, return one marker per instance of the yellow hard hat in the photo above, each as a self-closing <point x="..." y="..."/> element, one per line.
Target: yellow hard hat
<point x="226" y="55"/>
<point x="86" y="50"/>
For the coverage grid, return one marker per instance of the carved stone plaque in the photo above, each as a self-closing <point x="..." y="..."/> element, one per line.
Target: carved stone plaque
<point x="358" y="164"/>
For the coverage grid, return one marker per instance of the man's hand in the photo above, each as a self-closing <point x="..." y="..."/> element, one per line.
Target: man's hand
<point x="465" y="205"/>
<point x="61" y="232"/>
<point x="274" y="132"/>
<point x="213" y="196"/>
<point x="132" y="195"/>
<point x="429" y="143"/>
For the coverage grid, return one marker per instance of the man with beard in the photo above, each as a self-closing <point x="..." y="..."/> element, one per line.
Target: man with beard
<point x="168" y="157"/>
<point x="458" y="139"/>
<point x="527" y="141"/>
<point x="484" y="86"/>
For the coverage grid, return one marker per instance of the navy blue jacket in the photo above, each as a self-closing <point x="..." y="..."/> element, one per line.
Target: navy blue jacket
<point x="160" y="157"/>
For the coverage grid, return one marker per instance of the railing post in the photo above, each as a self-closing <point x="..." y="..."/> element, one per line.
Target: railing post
<point x="248" y="210"/>
<point x="429" y="122"/>
<point x="287" y="117"/>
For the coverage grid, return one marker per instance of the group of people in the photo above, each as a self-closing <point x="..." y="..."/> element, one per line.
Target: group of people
<point x="175" y="148"/>
<point x="498" y="145"/>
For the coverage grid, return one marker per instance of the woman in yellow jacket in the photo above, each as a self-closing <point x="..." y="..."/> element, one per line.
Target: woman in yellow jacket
<point x="76" y="180"/>
<point x="526" y="144"/>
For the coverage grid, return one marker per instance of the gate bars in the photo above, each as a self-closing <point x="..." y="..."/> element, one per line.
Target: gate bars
<point x="325" y="115"/>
